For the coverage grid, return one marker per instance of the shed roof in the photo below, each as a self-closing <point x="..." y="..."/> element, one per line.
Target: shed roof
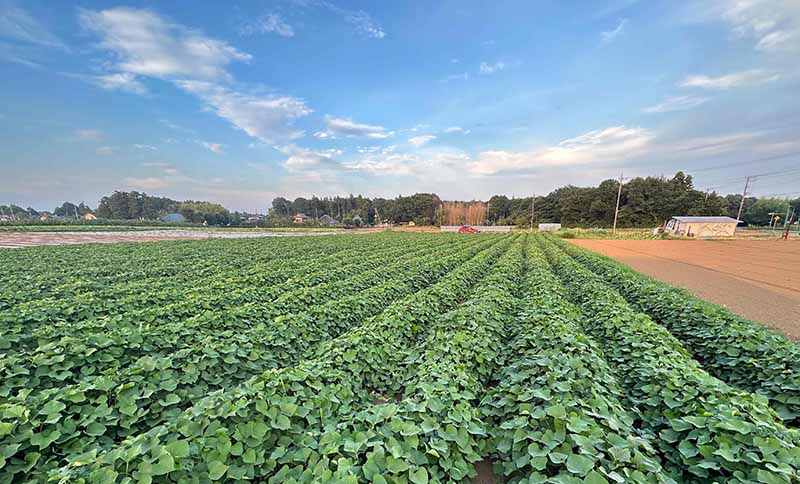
<point x="707" y="220"/>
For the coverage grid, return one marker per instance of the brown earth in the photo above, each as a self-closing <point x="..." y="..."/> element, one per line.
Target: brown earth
<point x="28" y="239"/>
<point x="757" y="279"/>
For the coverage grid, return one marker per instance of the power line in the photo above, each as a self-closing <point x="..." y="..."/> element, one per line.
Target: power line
<point x="759" y="160"/>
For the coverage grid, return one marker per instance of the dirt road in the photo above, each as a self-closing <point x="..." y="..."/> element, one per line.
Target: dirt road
<point x="757" y="279"/>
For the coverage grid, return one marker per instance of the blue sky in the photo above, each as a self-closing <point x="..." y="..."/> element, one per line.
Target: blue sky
<point x="241" y="101"/>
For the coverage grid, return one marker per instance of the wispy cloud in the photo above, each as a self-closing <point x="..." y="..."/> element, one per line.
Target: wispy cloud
<point x="457" y="129"/>
<point x="147" y="183"/>
<point x="145" y="147"/>
<point x="213" y="147"/>
<point x="362" y="21"/>
<point x="269" y="23"/>
<point x="118" y="81"/>
<point x="421" y="140"/>
<point x="267" y="118"/>
<point x="345" y="127"/>
<point x="299" y="158"/>
<point x="89" y="134"/>
<point x="609" y="35"/>
<point x="615" y="143"/>
<point x="677" y="103"/>
<point x="752" y="77"/>
<point x="773" y="24"/>
<point x="486" y="68"/>
<point x="105" y="150"/>
<point x="146" y="44"/>
<point x="17" y="24"/>
<point x="464" y="76"/>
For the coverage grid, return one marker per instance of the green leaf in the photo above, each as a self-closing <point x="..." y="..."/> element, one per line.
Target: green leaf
<point x="579" y="464"/>
<point x="396" y="466"/>
<point x="164" y="465"/>
<point x="557" y="411"/>
<point x="216" y="470"/>
<point x="420" y="476"/>
<point x="595" y="477"/>
<point x="178" y="448"/>
<point x="96" y="429"/>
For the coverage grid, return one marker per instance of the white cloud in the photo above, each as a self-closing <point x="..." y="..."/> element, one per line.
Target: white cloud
<point x="89" y="134"/>
<point x="774" y="25"/>
<point x="267" y="118"/>
<point x="145" y="147"/>
<point x="105" y="150"/>
<point x="147" y="183"/>
<point x="421" y="140"/>
<point x="123" y="81"/>
<point x="457" y="129"/>
<point x="610" y="35"/>
<point x="213" y="147"/>
<point x="18" y="24"/>
<point x="487" y="68"/>
<point x="678" y="103"/>
<point x="363" y="22"/>
<point x="456" y="77"/>
<point x="428" y="165"/>
<point x="269" y="23"/>
<point x="709" y="145"/>
<point x="335" y="127"/>
<point x="299" y="158"/>
<point x="147" y="44"/>
<point x="752" y="77"/>
<point x="610" y="144"/>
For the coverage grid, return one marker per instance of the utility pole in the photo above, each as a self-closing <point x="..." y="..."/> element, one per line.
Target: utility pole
<point x="744" y="194"/>
<point x="533" y="202"/>
<point x="786" y="220"/>
<point x="616" y="210"/>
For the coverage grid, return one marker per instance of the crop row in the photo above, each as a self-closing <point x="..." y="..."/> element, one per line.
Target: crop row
<point x="740" y="352"/>
<point x="58" y="273"/>
<point x="557" y="412"/>
<point x="206" y="289"/>
<point x="251" y="328"/>
<point x="154" y="390"/>
<point x="217" y="295"/>
<point x="274" y="425"/>
<point x="703" y="429"/>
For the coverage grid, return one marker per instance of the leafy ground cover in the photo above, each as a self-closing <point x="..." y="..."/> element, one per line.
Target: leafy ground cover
<point x="375" y="358"/>
<point x="740" y="352"/>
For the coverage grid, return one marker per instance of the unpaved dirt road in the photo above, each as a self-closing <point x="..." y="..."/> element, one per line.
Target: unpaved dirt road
<point x="757" y="279"/>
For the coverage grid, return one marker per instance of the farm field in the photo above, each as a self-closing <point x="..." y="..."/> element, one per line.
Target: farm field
<point x="31" y="237"/>
<point x="758" y="279"/>
<point x="386" y="357"/>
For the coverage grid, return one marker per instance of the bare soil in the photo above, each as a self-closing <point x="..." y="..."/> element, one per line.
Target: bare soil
<point x="757" y="279"/>
<point x="28" y="239"/>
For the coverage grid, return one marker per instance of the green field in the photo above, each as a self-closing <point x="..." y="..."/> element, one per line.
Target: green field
<point x="389" y="357"/>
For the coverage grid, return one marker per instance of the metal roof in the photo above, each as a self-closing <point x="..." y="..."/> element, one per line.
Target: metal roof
<point x="706" y="220"/>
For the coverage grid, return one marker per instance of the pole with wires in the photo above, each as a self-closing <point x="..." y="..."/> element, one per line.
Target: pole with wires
<point x="741" y="203"/>
<point x="616" y="210"/>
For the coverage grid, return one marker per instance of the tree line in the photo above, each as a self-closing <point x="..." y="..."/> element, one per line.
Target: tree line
<point x="644" y="202"/>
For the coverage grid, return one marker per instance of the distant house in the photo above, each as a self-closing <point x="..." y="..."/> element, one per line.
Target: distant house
<point x="300" y="218"/>
<point x="89" y="216"/>
<point x="328" y="220"/>
<point x="174" y="218"/>
<point x="44" y="216"/>
<point x="701" y="226"/>
<point x="549" y="227"/>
